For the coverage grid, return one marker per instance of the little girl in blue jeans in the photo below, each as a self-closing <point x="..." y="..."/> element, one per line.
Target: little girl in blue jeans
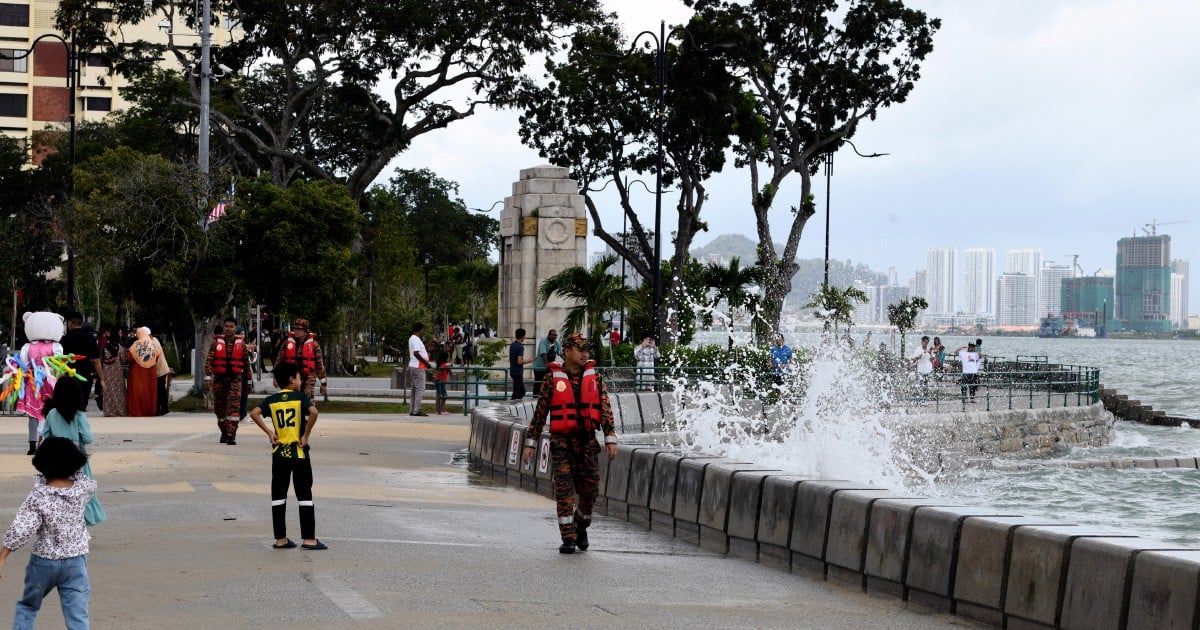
<point x="54" y="511"/>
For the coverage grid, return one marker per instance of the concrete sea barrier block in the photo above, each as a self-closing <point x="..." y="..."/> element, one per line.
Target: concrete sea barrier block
<point x="888" y="541"/>
<point x="983" y="552"/>
<point x="545" y="478"/>
<point x="714" y="505"/>
<point x="631" y="414"/>
<point x="662" y="492"/>
<point x="473" y="438"/>
<point x="745" y="503"/>
<point x="1145" y="462"/>
<point x="849" y="520"/>
<point x="486" y="439"/>
<point x="933" y="553"/>
<point x="1164" y="590"/>
<point x="500" y="447"/>
<point x="614" y="404"/>
<point x="1166" y="462"/>
<point x="617" y="487"/>
<point x="777" y="506"/>
<point x="1037" y="570"/>
<point x="652" y="411"/>
<point x="810" y="521"/>
<point x="1100" y="569"/>
<point x="641" y="476"/>
<point x="689" y="485"/>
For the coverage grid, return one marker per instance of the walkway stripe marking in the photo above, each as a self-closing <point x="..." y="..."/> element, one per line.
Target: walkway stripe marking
<point x="354" y="605"/>
<point x="412" y="542"/>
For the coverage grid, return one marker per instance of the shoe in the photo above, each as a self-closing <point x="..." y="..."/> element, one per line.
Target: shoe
<point x="224" y="439"/>
<point x="419" y="413"/>
<point x="317" y="547"/>
<point x="288" y="545"/>
<point x="231" y="441"/>
<point x="444" y="413"/>
<point x="581" y="537"/>
<point x="32" y="449"/>
<point x="568" y="546"/>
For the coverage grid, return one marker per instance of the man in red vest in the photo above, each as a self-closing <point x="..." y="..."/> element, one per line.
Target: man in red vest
<point x="302" y="349"/>
<point x="574" y="399"/>
<point x="225" y="370"/>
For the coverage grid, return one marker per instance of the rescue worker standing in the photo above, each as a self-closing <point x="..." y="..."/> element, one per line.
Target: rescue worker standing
<point x="574" y="399"/>
<point x="225" y="370"/>
<point x="302" y="349"/>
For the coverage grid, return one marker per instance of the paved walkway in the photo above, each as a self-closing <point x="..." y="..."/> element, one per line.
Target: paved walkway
<point x="416" y="541"/>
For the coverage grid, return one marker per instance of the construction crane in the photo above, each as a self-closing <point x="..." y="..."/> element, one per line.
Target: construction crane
<point x="1075" y="263"/>
<point x="1153" y="225"/>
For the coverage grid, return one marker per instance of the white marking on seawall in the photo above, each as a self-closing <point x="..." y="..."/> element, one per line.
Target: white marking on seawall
<point x="347" y="599"/>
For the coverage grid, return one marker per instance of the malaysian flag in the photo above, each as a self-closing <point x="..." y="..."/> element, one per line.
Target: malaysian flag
<point x="218" y="210"/>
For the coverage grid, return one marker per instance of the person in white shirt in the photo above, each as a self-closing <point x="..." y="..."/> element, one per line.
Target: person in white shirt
<point x="923" y="359"/>
<point x="418" y="362"/>
<point x="970" y="359"/>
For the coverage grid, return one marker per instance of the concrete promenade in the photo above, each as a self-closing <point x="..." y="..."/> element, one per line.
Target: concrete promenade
<point x="416" y="541"/>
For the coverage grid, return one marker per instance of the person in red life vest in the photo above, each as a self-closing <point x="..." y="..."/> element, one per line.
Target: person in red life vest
<point x="575" y="401"/>
<point x="225" y="370"/>
<point x="303" y="350"/>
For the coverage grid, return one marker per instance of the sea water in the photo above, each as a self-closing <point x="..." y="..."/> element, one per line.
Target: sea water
<point x="835" y="428"/>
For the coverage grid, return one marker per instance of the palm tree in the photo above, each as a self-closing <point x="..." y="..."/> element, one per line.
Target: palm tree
<point x="903" y="315"/>
<point x="595" y="291"/>
<point x="733" y="285"/>
<point x="836" y="306"/>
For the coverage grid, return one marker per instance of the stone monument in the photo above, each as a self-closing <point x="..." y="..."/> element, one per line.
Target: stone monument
<point x="543" y="230"/>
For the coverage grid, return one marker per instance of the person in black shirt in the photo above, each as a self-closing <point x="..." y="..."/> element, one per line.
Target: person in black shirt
<point x="82" y="341"/>
<point x="516" y="358"/>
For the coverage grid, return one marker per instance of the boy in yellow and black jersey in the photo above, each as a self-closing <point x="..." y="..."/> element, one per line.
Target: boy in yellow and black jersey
<point x="293" y="416"/>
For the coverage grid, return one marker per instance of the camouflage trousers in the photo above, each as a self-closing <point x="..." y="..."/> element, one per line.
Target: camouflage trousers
<point x="575" y="466"/>
<point x="227" y="404"/>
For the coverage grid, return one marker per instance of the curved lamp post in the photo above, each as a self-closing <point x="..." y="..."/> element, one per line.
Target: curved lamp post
<point x="828" y="181"/>
<point x="76" y="47"/>
<point x="426" y="262"/>
<point x="660" y="57"/>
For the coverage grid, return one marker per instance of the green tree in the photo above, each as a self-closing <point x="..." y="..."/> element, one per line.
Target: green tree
<point x="440" y="223"/>
<point x="29" y="239"/>
<point x="735" y="286"/>
<point x="598" y="114"/>
<point x="815" y="71"/>
<point x="335" y="90"/>
<point x="594" y="291"/>
<point x="836" y="306"/>
<point x="903" y="315"/>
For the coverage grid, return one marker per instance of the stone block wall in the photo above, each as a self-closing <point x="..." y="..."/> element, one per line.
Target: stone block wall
<point x="986" y="564"/>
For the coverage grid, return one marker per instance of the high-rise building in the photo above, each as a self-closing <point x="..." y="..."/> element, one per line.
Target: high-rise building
<point x="1050" y="288"/>
<point x="1179" y="298"/>
<point x="916" y="286"/>
<point x="34" y="90"/>
<point x="1143" y="283"/>
<point x="892" y="277"/>
<point x="1015" y="300"/>
<point x="979" y="281"/>
<point x="1088" y="300"/>
<point x="1027" y="261"/>
<point x="879" y="297"/>
<point x="940" y="269"/>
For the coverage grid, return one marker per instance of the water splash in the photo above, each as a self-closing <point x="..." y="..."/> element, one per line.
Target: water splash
<point x="830" y="417"/>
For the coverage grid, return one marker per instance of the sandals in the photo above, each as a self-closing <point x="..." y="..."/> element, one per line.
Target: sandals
<point x="288" y="545"/>
<point x="317" y="547"/>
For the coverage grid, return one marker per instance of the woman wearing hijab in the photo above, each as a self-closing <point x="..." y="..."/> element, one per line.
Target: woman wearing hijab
<point x="112" y="362"/>
<point x="141" y="395"/>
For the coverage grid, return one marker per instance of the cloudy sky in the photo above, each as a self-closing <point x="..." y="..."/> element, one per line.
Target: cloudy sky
<point x="1062" y="125"/>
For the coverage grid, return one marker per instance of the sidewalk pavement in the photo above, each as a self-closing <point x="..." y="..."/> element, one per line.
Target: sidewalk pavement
<point x="416" y="541"/>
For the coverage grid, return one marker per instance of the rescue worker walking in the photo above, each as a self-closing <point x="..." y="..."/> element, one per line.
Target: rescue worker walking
<point x="302" y="349"/>
<point x="575" y="400"/>
<point x="225" y="370"/>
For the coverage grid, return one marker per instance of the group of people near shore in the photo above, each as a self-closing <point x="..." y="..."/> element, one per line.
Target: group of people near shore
<point x="930" y="364"/>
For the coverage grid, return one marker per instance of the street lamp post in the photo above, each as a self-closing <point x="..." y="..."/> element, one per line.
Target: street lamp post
<point x="426" y="261"/>
<point x="828" y="188"/>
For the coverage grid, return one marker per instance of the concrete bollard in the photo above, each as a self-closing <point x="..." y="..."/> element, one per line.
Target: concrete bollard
<point x="1037" y="571"/>
<point x="1164" y="590"/>
<point x="983" y="554"/>
<point x="714" y="506"/>
<point x="849" y="522"/>
<point x="810" y="521"/>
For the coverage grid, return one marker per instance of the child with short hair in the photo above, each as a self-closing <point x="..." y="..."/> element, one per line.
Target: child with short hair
<point x="54" y="511"/>
<point x="293" y="416"/>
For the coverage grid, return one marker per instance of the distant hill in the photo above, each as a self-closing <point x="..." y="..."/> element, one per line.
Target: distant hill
<point x="807" y="280"/>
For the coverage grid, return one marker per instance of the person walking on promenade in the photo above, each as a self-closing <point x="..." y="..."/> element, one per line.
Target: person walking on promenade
<point x="303" y="350"/>
<point x="970" y="359"/>
<point x="81" y="341"/>
<point x="548" y="350"/>
<point x="54" y="512"/>
<point x="293" y="416"/>
<point x="141" y="392"/>
<point x="225" y="370"/>
<point x="65" y="420"/>
<point x="646" y="355"/>
<point x="923" y="360"/>
<point x="516" y="359"/>
<point x="575" y="401"/>
<point x="418" y="362"/>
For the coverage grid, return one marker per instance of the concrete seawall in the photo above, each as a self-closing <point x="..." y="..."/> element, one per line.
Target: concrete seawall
<point x="986" y="564"/>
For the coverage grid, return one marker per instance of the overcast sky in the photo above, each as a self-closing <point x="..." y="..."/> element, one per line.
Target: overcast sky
<point x="1062" y="125"/>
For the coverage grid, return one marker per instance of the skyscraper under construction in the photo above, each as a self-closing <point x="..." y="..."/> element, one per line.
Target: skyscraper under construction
<point x="1143" y="283"/>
